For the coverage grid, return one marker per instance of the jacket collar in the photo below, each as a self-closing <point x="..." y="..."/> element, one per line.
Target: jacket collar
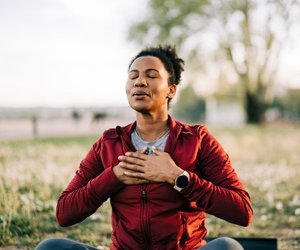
<point x="125" y="135"/>
<point x="175" y="130"/>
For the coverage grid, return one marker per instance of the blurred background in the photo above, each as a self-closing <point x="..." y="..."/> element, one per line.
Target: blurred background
<point x="63" y="68"/>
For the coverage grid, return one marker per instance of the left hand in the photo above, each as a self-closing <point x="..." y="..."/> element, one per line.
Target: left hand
<point x="155" y="168"/>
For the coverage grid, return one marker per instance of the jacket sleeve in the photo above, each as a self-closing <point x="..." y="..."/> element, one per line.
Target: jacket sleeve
<point x="218" y="190"/>
<point x="90" y="187"/>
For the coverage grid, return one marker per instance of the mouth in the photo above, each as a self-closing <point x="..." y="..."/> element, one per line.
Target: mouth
<point x="140" y="94"/>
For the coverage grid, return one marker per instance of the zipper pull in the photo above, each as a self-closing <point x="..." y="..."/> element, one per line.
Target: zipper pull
<point x="144" y="196"/>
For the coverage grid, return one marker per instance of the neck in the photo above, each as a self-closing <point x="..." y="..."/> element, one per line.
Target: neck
<point x="150" y="127"/>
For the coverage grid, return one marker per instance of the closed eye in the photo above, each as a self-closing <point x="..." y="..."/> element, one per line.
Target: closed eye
<point x="133" y="75"/>
<point x="152" y="77"/>
<point x="152" y="73"/>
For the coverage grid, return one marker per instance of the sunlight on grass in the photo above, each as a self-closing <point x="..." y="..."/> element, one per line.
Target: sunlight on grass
<point x="34" y="172"/>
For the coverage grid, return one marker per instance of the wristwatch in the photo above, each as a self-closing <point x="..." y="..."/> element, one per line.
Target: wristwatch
<point x="182" y="181"/>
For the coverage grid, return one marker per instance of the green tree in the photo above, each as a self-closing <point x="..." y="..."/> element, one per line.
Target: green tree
<point x="239" y="39"/>
<point x="189" y="107"/>
<point x="288" y="105"/>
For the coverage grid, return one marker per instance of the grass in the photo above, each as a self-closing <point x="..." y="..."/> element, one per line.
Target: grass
<point x="34" y="172"/>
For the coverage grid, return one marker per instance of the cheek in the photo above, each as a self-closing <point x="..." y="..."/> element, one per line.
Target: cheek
<point x="128" y="87"/>
<point x="161" y="90"/>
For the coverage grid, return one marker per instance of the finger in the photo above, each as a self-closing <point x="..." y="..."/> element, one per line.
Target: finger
<point x="137" y="154"/>
<point x="132" y="167"/>
<point x="135" y="174"/>
<point x="131" y="160"/>
<point x="130" y="180"/>
<point x="157" y="151"/>
<point x="144" y="150"/>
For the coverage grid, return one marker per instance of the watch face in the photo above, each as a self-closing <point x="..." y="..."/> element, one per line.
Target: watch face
<point x="182" y="181"/>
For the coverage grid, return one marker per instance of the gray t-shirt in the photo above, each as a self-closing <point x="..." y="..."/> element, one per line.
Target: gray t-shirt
<point x="139" y="143"/>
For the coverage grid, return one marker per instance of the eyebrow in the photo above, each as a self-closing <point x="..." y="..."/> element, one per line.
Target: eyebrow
<point x="147" y="70"/>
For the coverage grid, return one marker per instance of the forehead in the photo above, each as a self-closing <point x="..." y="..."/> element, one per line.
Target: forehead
<point x="146" y="62"/>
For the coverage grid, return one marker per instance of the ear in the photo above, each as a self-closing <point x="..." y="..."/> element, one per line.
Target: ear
<point x="172" y="90"/>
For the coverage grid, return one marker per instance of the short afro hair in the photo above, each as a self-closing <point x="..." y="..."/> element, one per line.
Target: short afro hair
<point x="168" y="56"/>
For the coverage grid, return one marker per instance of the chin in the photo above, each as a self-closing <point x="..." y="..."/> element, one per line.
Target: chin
<point x="140" y="108"/>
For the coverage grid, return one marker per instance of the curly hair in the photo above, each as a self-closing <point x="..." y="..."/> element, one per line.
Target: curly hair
<point x="168" y="56"/>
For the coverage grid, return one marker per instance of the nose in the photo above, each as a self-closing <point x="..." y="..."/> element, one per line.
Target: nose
<point x="140" y="82"/>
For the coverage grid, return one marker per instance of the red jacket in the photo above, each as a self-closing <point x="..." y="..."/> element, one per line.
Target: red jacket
<point x="156" y="216"/>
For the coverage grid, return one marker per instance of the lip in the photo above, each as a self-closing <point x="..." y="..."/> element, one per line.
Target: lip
<point x="140" y="93"/>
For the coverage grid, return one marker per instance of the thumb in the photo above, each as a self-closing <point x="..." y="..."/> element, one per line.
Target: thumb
<point x="144" y="150"/>
<point x="157" y="151"/>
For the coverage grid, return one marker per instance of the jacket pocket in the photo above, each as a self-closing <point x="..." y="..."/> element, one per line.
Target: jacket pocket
<point x="193" y="229"/>
<point x="115" y="230"/>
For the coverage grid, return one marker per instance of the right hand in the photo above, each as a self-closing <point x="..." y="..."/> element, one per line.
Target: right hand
<point x="128" y="180"/>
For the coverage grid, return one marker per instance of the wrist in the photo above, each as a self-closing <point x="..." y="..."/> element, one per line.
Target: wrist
<point x="178" y="171"/>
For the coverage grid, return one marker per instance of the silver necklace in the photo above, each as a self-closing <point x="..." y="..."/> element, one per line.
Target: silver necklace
<point x="159" y="143"/>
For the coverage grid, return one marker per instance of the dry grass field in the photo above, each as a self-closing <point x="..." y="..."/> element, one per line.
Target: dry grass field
<point x="33" y="172"/>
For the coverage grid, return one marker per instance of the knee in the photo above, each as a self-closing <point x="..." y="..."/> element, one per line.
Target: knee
<point x="230" y="244"/>
<point x="51" y="243"/>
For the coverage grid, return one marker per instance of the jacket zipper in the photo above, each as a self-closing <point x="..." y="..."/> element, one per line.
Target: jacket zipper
<point x="144" y="221"/>
<point x="184" y="233"/>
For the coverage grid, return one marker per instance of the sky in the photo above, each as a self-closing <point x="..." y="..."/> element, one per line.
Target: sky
<point x="62" y="53"/>
<point x="65" y="52"/>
